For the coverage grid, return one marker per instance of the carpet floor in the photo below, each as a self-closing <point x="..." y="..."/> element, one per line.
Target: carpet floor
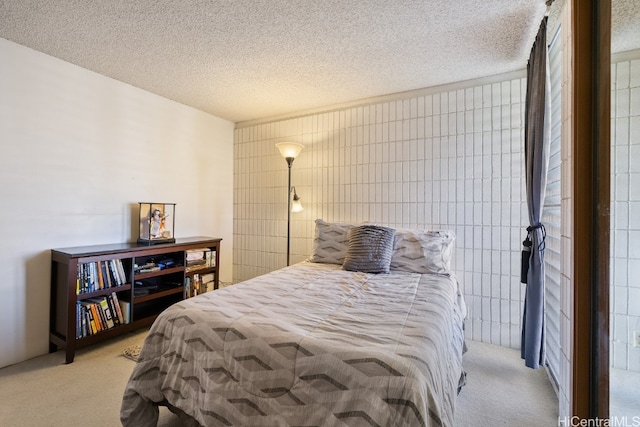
<point x="44" y="391"/>
<point x="501" y="391"/>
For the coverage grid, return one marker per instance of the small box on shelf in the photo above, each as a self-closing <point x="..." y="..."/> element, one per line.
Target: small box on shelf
<point x="157" y="223"/>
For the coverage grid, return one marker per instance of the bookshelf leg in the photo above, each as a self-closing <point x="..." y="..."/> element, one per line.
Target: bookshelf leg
<point x="70" y="353"/>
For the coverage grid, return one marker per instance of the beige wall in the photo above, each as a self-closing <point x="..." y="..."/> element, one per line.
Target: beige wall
<point x="78" y="151"/>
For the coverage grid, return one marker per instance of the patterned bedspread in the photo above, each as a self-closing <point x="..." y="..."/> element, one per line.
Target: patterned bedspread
<point x="306" y="345"/>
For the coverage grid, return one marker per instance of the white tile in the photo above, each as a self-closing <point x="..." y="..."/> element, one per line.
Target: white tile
<point x="621" y="219"/>
<point x="634" y="301"/>
<point x="634" y="220"/>
<point x="486" y="119"/>
<point x="622" y="75"/>
<point x="621" y="102"/>
<point x="621" y="187"/>
<point x="634" y="156"/>
<point x="621" y="244"/>
<point x="505" y="92"/>
<point x="515" y="91"/>
<point x="622" y="130"/>
<point x="620" y="267"/>
<point x="477" y="97"/>
<point x="634" y="273"/>
<point x="496" y="94"/>
<point x="621" y="159"/>
<point x="469" y="99"/>
<point x="619" y="355"/>
<point x="634" y="188"/>
<point x="634" y="243"/>
<point x="444" y="103"/>
<point x="634" y="71"/>
<point x="620" y="299"/>
<point x="460" y="100"/>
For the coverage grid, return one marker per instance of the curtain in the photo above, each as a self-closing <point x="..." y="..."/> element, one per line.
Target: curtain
<point x="536" y="151"/>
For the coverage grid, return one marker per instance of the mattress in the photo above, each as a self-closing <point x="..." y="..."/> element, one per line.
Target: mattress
<point x="306" y="345"/>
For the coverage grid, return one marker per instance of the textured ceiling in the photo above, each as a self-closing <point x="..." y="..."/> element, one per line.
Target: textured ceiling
<point x="251" y="59"/>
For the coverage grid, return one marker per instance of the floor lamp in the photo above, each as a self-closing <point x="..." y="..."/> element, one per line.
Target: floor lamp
<point x="290" y="151"/>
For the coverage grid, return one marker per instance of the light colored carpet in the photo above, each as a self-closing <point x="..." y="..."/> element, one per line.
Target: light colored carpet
<point x="44" y="391"/>
<point x="501" y="391"/>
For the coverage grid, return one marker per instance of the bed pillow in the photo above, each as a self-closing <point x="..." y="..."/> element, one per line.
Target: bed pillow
<point x="370" y="249"/>
<point x="330" y="242"/>
<point x="423" y="251"/>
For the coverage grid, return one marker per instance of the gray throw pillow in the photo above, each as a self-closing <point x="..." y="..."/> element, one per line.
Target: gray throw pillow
<point x="370" y="249"/>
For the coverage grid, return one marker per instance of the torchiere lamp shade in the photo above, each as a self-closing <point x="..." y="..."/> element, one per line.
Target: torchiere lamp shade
<point x="289" y="150"/>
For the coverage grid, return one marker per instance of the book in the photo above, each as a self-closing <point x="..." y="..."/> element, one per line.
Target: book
<point x="211" y="258"/>
<point x="82" y="321"/>
<point x="87" y="277"/>
<point x="116" y="305"/>
<point x="121" y="272"/>
<point x="112" y="309"/>
<point x="105" y="312"/>
<point x="97" y="315"/>
<point x="105" y="274"/>
<point x="92" y="321"/>
<point x="79" y="280"/>
<point x="114" y="272"/>
<point x="94" y="277"/>
<point x="78" y="320"/>
<point x="125" y="306"/>
<point x="99" y="273"/>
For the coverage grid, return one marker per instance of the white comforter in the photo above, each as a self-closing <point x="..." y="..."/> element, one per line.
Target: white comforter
<point x="309" y="344"/>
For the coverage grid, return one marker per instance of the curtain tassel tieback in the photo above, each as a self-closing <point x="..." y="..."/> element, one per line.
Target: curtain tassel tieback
<point x="526" y="250"/>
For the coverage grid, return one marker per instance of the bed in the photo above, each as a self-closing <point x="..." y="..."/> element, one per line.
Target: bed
<point x="321" y="342"/>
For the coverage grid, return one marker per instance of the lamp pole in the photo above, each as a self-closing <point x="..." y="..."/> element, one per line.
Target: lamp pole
<point x="289" y="150"/>
<point x="289" y="163"/>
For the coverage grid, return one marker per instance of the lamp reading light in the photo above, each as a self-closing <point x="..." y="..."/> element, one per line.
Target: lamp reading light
<point x="296" y="206"/>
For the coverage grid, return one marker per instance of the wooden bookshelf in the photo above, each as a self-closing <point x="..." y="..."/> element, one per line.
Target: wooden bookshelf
<point x="151" y="279"/>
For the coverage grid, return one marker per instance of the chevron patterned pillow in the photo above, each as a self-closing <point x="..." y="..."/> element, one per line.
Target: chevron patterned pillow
<point x="370" y="248"/>
<point x="423" y="251"/>
<point x="330" y="242"/>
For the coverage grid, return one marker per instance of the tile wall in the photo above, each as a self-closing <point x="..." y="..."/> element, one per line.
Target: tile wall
<point x="566" y="228"/>
<point x="450" y="157"/>
<point x="625" y="211"/>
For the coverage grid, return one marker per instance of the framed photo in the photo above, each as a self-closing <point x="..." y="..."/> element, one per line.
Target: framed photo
<point x="157" y="223"/>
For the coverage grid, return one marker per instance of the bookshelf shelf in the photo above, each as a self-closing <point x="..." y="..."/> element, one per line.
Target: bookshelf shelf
<point x="103" y="292"/>
<point x="159" y="294"/>
<point x="92" y="301"/>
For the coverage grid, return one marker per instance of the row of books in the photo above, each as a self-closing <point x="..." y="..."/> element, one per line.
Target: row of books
<point x="200" y="258"/>
<point x="94" y="315"/>
<point x="93" y="276"/>
<point x="197" y="284"/>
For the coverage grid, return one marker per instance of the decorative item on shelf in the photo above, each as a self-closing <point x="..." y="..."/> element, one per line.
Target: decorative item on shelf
<point x="157" y="223"/>
<point x="290" y="151"/>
